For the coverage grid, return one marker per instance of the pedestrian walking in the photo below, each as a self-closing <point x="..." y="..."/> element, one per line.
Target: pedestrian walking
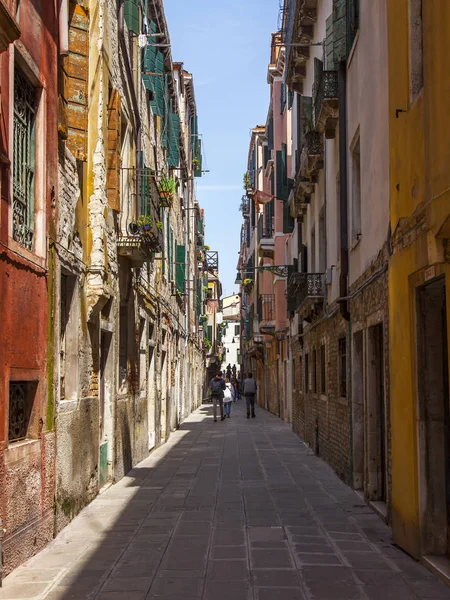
<point x="249" y="392"/>
<point x="228" y="397"/>
<point x="217" y="388"/>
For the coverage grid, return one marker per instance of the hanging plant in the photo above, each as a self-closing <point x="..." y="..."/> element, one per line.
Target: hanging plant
<point x="167" y="188"/>
<point x="145" y="222"/>
<point x="159" y="225"/>
<point x="248" y="285"/>
<point x="207" y="248"/>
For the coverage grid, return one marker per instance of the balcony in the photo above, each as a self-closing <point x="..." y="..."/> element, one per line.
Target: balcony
<point x="298" y="27"/>
<point x="266" y="313"/>
<point x="311" y="158"/>
<point x="266" y="241"/>
<point x="305" y="293"/>
<point x="140" y="230"/>
<point x="300" y="198"/>
<point x="326" y="109"/>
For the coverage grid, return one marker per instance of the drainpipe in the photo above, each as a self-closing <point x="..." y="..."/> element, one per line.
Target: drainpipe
<point x="134" y="100"/>
<point x="64" y="28"/>
<point x="343" y="200"/>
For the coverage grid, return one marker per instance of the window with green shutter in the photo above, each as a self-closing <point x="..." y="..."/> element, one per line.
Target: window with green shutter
<point x="283" y="97"/>
<point x="174" y="141"/>
<point x="180" y="268"/>
<point x="131" y="13"/>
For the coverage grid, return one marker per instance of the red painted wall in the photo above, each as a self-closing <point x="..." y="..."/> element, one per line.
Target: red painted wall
<point x="27" y="468"/>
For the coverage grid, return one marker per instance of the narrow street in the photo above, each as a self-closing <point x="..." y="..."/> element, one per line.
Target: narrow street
<point x="236" y="510"/>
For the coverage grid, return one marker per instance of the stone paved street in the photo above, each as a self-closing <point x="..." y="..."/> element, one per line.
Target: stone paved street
<point x="239" y="510"/>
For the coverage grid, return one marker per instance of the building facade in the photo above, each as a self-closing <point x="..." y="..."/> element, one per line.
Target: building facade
<point x="28" y="213"/>
<point x="419" y="277"/>
<point x="323" y="165"/>
<point x="100" y="242"/>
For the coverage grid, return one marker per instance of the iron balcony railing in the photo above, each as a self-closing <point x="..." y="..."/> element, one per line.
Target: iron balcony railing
<point x="302" y="286"/>
<point x="265" y="228"/>
<point x="325" y="97"/>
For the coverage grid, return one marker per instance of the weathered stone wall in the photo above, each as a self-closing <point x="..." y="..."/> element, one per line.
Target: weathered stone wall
<point x="323" y="420"/>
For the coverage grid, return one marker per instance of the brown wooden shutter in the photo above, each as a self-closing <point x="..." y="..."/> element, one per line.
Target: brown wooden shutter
<point x="113" y="156"/>
<point x="74" y="83"/>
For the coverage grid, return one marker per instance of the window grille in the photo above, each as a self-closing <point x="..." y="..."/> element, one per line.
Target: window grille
<point x="21" y="397"/>
<point x="25" y="108"/>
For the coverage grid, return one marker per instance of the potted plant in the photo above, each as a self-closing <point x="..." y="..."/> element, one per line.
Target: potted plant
<point x="159" y="225"/>
<point x="247" y="182"/>
<point x="248" y="285"/>
<point x="167" y="188"/>
<point x="196" y="164"/>
<point x="145" y="223"/>
<point x="207" y="248"/>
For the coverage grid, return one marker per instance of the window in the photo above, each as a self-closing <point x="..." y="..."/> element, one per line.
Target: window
<point x="313" y="251"/>
<point x="282" y="97"/>
<point x="123" y="347"/>
<point x="306" y="373"/>
<point x="356" y="192"/>
<point x="323" y="370"/>
<point x="21" y="399"/>
<point x="237" y="329"/>
<point x="69" y="321"/>
<point x="24" y="159"/>
<point x="314" y="372"/>
<point x="415" y="48"/>
<point x="343" y="367"/>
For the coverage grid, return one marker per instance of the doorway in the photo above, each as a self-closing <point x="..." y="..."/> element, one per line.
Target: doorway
<point x="433" y="418"/>
<point x="376" y="442"/>
<point x="105" y="418"/>
<point x="358" y="410"/>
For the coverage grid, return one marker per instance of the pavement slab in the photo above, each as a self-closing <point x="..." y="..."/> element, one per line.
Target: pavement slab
<point x="239" y="509"/>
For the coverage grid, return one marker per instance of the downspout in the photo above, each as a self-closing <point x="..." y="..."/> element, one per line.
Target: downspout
<point x="343" y="188"/>
<point x="64" y="28"/>
<point x="134" y="100"/>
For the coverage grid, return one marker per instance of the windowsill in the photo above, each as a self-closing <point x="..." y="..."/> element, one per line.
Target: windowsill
<point x="342" y="400"/>
<point x="324" y="397"/>
<point x="27" y="255"/>
<point x="17" y="451"/>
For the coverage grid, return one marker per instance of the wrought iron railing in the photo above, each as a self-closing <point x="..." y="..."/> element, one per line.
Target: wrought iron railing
<point x="302" y="286"/>
<point x="326" y="88"/>
<point x="266" y="307"/>
<point x="311" y="155"/>
<point x="265" y="228"/>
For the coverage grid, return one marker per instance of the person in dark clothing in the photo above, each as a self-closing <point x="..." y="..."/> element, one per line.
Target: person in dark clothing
<point x="217" y="387"/>
<point x="249" y="392"/>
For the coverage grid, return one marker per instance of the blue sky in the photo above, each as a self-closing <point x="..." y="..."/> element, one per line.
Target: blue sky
<point x="226" y="46"/>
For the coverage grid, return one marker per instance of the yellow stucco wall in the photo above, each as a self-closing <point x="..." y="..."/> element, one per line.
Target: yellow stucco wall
<point x="419" y="184"/>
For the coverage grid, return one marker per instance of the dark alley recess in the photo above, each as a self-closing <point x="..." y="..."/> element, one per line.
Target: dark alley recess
<point x="238" y="509"/>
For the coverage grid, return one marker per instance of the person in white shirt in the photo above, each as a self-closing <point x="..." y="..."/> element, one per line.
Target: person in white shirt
<point x="228" y="396"/>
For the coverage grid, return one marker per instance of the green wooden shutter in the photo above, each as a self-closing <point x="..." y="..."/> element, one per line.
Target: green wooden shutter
<point x="340" y="30"/>
<point x="199" y="297"/>
<point x="158" y="83"/>
<point x="131" y="12"/>
<point x="180" y="268"/>
<point x="283" y="97"/>
<point x="279" y="175"/>
<point x="329" y="44"/>
<point x="194" y="131"/>
<point x="169" y="248"/>
<point x="288" y="221"/>
<point x="284" y="169"/>
<point x="174" y="143"/>
<point x="209" y="333"/>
